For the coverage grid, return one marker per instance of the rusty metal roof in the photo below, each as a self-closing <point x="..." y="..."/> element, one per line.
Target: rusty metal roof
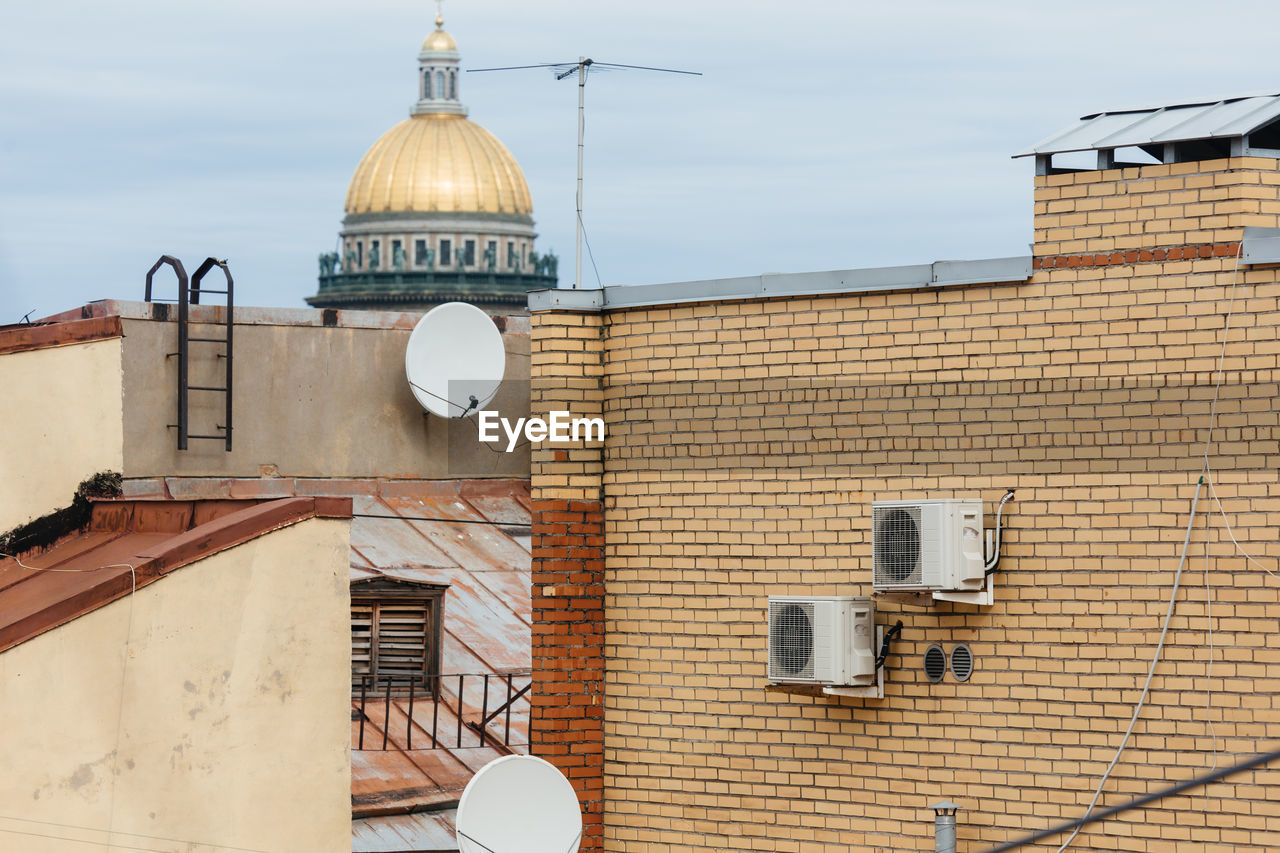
<point x="129" y="544"/>
<point x="473" y="535"/>
<point x="423" y="832"/>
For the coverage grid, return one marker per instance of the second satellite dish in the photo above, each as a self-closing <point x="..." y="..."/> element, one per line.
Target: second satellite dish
<point x="519" y="804"/>
<point x="455" y="353"/>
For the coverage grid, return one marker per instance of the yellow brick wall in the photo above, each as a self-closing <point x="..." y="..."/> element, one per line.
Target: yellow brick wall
<point x="1150" y="206"/>
<point x="746" y="442"/>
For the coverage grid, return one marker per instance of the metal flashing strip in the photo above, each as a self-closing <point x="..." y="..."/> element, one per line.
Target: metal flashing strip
<point x="566" y="299"/>
<point x="834" y="282"/>
<point x="1260" y="245"/>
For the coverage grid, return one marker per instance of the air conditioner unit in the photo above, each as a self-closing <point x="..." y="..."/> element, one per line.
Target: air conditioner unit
<point x="822" y="640"/>
<point x="930" y="548"/>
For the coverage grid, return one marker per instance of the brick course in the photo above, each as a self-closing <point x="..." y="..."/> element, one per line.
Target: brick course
<point x="746" y="441"/>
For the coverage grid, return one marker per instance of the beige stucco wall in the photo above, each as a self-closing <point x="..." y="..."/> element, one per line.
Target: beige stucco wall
<point x="62" y="423"/>
<point x="212" y="707"/>
<point x="309" y="401"/>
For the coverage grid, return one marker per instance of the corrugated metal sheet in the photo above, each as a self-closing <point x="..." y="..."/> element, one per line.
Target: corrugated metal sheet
<point x="1224" y="118"/>
<point x="89" y="569"/>
<point x="419" y="833"/>
<point x="421" y="531"/>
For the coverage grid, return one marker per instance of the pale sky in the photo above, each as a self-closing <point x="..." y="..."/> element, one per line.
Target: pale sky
<point x="828" y="134"/>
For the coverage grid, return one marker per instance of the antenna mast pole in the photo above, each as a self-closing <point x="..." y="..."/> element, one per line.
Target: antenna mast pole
<point x="582" y="88"/>
<point x="564" y="70"/>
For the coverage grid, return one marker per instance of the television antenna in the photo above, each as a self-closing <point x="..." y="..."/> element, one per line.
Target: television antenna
<point x="519" y="804"/>
<point x="562" y="71"/>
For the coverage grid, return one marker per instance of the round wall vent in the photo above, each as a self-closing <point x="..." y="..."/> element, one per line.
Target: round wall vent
<point x="935" y="663"/>
<point x="962" y="662"/>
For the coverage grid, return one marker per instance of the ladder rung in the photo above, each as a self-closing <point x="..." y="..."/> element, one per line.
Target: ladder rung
<point x="205" y="388"/>
<point x="210" y="340"/>
<point x="222" y="437"/>
<point x="203" y="290"/>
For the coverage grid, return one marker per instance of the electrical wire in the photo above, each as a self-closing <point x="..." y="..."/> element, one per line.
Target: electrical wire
<point x="124" y="672"/>
<point x="57" y="825"/>
<point x="1226" y="522"/>
<point x="1205" y="478"/>
<point x="1142" y="700"/>
<point x="449" y="520"/>
<point x="590" y="254"/>
<point x="474" y="404"/>
<point x="1208" y="674"/>
<point x="108" y="844"/>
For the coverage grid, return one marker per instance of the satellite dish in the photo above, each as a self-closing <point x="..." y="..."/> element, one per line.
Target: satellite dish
<point x="519" y="804"/>
<point x="454" y="360"/>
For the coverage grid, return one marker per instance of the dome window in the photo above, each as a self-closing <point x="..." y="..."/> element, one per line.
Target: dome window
<point x="440" y="84"/>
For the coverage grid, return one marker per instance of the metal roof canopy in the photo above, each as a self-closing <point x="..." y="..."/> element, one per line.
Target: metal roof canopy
<point x="1196" y="130"/>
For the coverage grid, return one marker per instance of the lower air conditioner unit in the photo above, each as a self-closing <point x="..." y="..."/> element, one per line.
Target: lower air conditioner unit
<point x="930" y="549"/>
<point x="828" y="640"/>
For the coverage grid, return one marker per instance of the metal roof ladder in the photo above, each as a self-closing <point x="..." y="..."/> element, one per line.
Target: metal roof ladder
<point x="219" y="346"/>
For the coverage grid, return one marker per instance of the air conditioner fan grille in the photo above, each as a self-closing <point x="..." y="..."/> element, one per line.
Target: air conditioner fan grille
<point x="790" y="639"/>
<point x="896" y="557"/>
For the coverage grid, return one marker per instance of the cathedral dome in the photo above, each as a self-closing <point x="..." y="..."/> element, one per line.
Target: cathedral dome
<point x="437" y="211"/>
<point x="438" y="163"/>
<point x="439" y="39"/>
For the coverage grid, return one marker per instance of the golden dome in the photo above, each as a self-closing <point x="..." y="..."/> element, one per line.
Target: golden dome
<point x="438" y="163"/>
<point x="439" y="39"/>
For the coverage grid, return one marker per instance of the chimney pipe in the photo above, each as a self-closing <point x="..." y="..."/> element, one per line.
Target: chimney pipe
<point x="944" y="826"/>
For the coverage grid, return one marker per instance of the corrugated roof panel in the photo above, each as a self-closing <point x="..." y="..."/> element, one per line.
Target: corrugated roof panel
<point x="1141" y="132"/>
<point x="1208" y="122"/>
<point x="390" y="541"/>
<point x="1266" y="111"/>
<point x="1224" y="118"/>
<point x="1084" y="135"/>
<point x="423" y="832"/>
<point x="487" y="617"/>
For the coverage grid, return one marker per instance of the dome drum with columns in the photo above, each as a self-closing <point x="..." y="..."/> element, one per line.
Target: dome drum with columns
<point x="437" y="211"/>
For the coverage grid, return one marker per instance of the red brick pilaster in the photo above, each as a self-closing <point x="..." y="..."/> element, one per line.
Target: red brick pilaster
<point x="568" y="649"/>
<point x="567" y="724"/>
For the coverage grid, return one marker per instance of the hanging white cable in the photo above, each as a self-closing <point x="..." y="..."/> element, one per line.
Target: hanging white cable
<point x="1208" y="673"/>
<point x="1205" y="475"/>
<point x="1226" y="522"/>
<point x="1142" y="700"/>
